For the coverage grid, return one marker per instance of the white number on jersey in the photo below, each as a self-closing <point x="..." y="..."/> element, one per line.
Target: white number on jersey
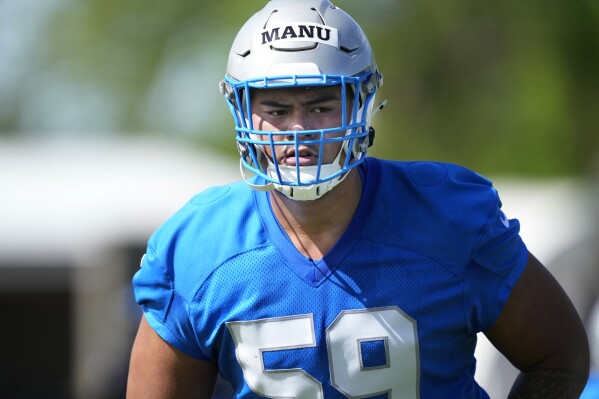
<point x="344" y="337"/>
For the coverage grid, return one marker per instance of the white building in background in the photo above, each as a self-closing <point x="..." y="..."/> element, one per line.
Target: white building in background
<point x="74" y="220"/>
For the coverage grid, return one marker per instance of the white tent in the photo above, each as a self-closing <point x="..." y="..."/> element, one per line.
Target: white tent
<point x="64" y="199"/>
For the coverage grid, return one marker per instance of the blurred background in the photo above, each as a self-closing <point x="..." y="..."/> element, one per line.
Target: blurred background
<point x="111" y="118"/>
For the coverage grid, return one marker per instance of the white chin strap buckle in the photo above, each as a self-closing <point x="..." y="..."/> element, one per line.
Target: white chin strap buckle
<point x="307" y="193"/>
<point x="306" y="174"/>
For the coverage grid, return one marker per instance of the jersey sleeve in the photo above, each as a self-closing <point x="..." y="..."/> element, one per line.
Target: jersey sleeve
<point x="165" y="310"/>
<point x="454" y="216"/>
<point x="498" y="259"/>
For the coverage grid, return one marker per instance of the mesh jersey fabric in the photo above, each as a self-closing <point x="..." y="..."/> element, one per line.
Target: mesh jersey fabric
<point x="428" y="261"/>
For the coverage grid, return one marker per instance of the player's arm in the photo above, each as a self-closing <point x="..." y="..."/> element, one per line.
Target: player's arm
<point x="157" y="370"/>
<point x="540" y="332"/>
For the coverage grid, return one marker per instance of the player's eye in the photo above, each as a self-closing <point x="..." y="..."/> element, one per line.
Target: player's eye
<point x="277" y="112"/>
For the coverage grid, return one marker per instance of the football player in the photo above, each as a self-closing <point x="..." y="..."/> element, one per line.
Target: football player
<point x="330" y="274"/>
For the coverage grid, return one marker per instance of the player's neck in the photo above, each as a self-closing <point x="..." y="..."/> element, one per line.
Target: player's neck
<point x="315" y="226"/>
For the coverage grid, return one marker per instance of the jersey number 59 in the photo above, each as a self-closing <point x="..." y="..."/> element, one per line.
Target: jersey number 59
<point x="398" y="377"/>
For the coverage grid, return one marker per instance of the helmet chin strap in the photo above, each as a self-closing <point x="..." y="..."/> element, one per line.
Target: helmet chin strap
<point x="258" y="187"/>
<point x="306" y="173"/>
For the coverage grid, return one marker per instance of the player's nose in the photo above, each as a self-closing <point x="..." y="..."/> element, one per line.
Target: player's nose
<point x="300" y="121"/>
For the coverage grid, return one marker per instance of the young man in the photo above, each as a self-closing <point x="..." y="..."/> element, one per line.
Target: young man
<point x="333" y="275"/>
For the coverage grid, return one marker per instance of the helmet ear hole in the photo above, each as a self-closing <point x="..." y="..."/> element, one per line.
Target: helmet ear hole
<point x="370" y="136"/>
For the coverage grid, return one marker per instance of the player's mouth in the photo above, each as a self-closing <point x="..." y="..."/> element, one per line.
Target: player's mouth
<point x="304" y="157"/>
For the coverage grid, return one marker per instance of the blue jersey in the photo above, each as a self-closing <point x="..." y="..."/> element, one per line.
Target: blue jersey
<point x="392" y="311"/>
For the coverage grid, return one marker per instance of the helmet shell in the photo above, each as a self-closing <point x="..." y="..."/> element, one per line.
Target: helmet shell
<point x="294" y="37"/>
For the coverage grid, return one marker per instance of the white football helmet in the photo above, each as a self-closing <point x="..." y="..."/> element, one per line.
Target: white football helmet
<point x="301" y="43"/>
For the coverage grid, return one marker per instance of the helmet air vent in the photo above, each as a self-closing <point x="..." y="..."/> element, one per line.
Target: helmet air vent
<point x="348" y="50"/>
